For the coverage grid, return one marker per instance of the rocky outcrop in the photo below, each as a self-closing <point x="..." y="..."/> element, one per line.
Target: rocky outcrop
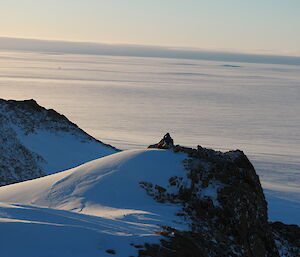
<point x="222" y="200"/>
<point x="17" y="163"/>
<point x="287" y="238"/>
<point x="29" y="116"/>
<point x="21" y="119"/>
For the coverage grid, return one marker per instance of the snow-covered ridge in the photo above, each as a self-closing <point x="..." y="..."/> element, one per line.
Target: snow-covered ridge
<point x="35" y="141"/>
<point x="182" y="196"/>
<point x="111" y="182"/>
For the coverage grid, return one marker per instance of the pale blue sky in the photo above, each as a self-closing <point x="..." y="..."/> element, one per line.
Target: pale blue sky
<point x="259" y="26"/>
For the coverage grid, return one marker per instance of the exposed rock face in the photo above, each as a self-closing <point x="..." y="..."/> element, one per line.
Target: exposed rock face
<point x="29" y="116"/>
<point x="17" y="163"/>
<point x="223" y="201"/>
<point x="287" y="239"/>
<point x="21" y="119"/>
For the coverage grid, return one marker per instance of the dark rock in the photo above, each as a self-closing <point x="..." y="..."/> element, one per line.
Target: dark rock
<point x="111" y="251"/>
<point x="287" y="239"/>
<point x="225" y="206"/>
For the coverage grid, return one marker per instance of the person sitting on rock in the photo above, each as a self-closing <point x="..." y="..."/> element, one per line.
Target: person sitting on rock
<point x="166" y="142"/>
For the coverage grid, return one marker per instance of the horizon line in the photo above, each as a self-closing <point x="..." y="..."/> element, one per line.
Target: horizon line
<point x="139" y="50"/>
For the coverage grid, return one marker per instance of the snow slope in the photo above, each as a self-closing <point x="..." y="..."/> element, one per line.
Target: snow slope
<point x="89" y="209"/>
<point x="62" y="150"/>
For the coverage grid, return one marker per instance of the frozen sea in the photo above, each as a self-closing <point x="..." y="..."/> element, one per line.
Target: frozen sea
<point x="130" y="102"/>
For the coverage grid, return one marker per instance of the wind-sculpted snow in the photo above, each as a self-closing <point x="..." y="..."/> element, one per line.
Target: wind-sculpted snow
<point x="28" y="230"/>
<point x="107" y="185"/>
<point x="98" y="206"/>
<point x="35" y="141"/>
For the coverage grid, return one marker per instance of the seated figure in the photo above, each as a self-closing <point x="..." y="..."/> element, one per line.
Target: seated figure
<point x="165" y="143"/>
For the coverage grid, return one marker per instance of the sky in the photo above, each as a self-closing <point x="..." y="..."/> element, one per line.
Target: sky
<point x="256" y="26"/>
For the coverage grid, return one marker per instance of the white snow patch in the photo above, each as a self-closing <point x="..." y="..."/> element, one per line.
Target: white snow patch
<point x="211" y="192"/>
<point x="62" y="150"/>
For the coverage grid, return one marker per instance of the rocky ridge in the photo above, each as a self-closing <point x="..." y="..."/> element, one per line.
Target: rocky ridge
<point x="222" y="200"/>
<point x="20" y="119"/>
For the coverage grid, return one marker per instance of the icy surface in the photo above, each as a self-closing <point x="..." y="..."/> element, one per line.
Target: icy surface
<point x="43" y="232"/>
<point x="129" y="102"/>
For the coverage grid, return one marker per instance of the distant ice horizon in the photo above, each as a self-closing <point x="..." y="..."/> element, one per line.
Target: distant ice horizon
<point x="92" y="48"/>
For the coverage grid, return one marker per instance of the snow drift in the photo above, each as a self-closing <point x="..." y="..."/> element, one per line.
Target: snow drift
<point x="109" y="185"/>
<point x="91" y="209"/>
